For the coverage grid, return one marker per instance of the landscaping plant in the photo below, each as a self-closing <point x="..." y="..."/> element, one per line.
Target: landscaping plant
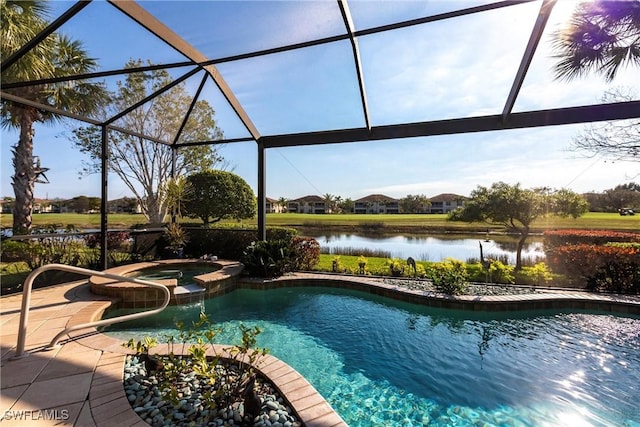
<point x="449" y="276"/>
<point x="305" y="252"/>
<point x="222" y="376"/>
<point x="601" y="260"/>
<point x="396" y="267"/>
<point x="538" y="274"/>
<point x="268" y="258"/>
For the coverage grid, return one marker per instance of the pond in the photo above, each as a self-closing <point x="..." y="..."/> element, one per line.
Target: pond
<point x="381" y="362"/>
<point x="432" y="247"/>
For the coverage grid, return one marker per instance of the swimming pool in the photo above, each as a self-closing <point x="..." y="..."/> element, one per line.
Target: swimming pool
<point x="381" y="362"/>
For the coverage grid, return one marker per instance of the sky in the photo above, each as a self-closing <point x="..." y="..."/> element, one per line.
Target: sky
<point x="462" y="67"/>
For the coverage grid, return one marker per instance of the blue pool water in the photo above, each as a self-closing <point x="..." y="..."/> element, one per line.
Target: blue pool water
<point x="184" y="273"/>
<point x="380" y="362"/>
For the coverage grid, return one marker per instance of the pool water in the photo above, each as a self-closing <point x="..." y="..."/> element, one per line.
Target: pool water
<point x="380" y="362"/>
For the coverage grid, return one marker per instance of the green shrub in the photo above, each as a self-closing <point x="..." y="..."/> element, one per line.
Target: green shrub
<point x="396" y="267"/>
<point x="13" y="251"/>
<point x="268" y="258"/>
<point x="449" y="276"/>
<point x="62" y="249"/>
<point x="420" y="270"/>
<point x="362" y="265"/>
<point x="116" y="240"/>
<point x="119" y="249"/>
<point x="501" y="273"/>
<point x="538" y="274"/>
<point x="281" y="233"/>
<point x="336" y="265"/>
<point x="228" y="242"/>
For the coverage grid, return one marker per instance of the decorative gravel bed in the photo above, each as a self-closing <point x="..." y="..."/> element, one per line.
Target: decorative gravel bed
<point x="147" y="401"/>
<point x="479" y="289"/>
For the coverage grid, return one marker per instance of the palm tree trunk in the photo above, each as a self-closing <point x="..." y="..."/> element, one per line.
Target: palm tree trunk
<point x="23" y="181"/>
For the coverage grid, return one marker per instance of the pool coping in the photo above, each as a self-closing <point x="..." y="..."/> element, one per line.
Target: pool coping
<point x="543" y="299"/>
<point x="105" y="401"/>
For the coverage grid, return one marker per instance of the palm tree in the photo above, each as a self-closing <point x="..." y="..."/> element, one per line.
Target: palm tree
<point x="329" y="200"/>
<point x="282" y="201"/>
<point x="602" y="36"/>
<point x="337" y="200"/>
<point x="56" y="56"/>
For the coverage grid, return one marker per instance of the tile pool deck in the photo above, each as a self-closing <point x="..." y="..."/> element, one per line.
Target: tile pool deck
<point x="80" y="383"/>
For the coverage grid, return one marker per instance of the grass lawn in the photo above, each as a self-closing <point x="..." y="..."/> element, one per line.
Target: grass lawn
<point x="388" y="222"/>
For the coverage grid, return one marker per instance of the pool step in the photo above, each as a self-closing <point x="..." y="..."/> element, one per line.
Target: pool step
<point x="188" y="293"/>
<point x="188" y="289"/>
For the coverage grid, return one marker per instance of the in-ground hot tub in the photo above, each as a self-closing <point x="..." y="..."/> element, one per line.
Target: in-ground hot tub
<point x="206" y="279"/>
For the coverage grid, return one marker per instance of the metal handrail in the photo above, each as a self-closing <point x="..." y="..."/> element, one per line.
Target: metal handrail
<point x="26" y="301"/>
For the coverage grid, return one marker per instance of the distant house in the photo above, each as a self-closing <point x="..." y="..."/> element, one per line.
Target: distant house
<point x="272" y="206"/>
<point x="376" y="204"/>
<point x="308" y="204"/>
<point x="124" y="205"/>
<point x="446" y="202"/>
<point x="6" y="206"/>
<point x="44" y="206"/>
<point x="39" y="206"/>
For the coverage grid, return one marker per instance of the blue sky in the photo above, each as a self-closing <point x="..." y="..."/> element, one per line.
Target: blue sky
<point x="461" y="67"/>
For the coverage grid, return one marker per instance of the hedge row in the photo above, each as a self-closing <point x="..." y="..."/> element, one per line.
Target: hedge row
<point x="556" y="238"/>
<point x="229" y="243"/>
<point x="604" y="261"/>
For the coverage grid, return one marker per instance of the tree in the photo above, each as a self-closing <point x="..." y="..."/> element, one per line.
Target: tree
<point x="616" y="140"/>
<point x="614" y="199"/>
<point x="55" y="56"/>
<point x="414" y="204"/>
<point x="516" y="208"/>
<point x="283" y="201"/>
<point x="84" y="204"/>
<point x="346" y="205"/>
<point x="330" y="202"/>
<point x="7" y="204"/>
<point x="219" y="195"/>
<point x="623" y="196"/>
<point x="602" y="36"/>
<point x="566" y="203"/>
<point x="145" y="166"/>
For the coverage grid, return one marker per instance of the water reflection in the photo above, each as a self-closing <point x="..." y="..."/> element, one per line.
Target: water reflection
<point x="431" y="247"/>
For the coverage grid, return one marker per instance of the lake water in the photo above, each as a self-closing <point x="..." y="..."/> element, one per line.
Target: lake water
<point x="433" y="247"/>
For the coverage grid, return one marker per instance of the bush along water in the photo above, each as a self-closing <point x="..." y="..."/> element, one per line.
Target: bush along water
<point x="195" y="385"/>
<point x="449" y="276"/>
<point x="613" y="267"/>
<point x="273" y="258"/>
<point x="602" y="260"/>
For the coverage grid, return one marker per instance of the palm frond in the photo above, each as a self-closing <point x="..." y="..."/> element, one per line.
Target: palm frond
<point x="601" y="36"/>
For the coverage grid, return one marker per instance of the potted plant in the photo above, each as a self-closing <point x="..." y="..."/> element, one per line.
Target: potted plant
<point x="176" y="238"/>
<point x="174" y="193"/>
